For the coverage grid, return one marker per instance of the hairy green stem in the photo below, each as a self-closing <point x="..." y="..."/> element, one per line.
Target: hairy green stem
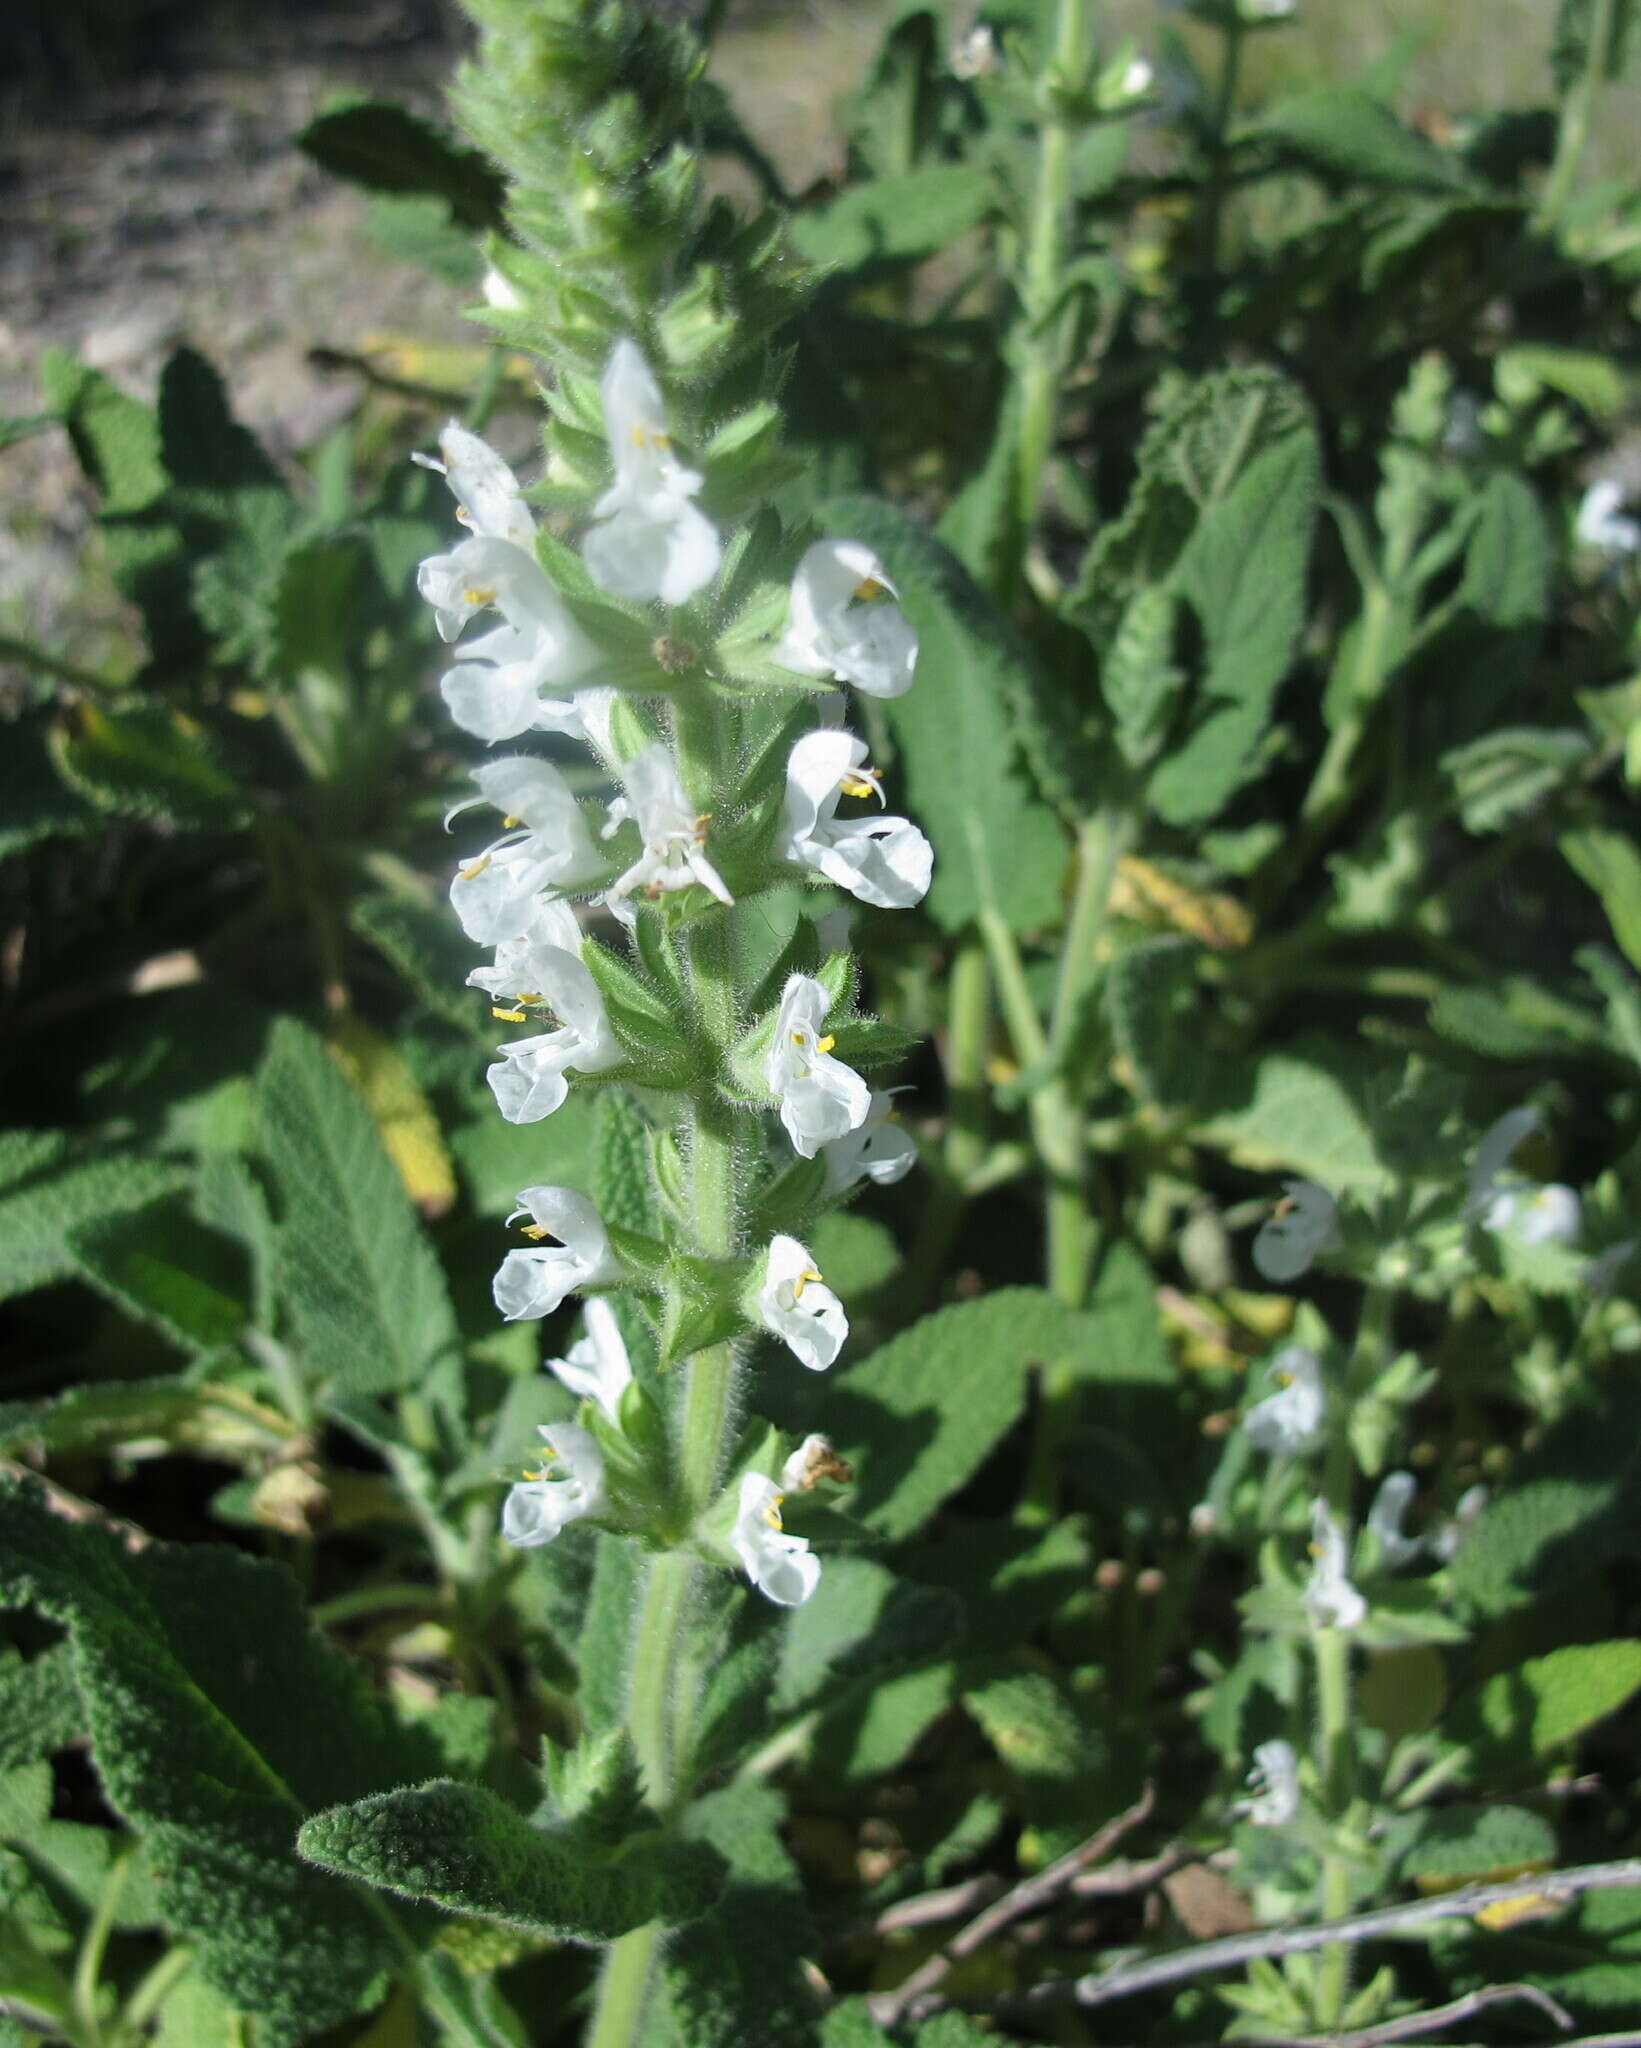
<point x="1040" y="285"/>
<point x="1338" y="1767"/>
<point x="1577" y="111"/>
<point x="665" y="1675"/>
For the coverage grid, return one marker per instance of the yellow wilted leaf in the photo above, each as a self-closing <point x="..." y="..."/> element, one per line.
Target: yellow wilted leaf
<point x="1511" y="1912"/>
<point x="1143" y="892"/>
<point x="1430" y="1882"/>
<point x="442" y="365"/>
<point x="408" y="1127"/>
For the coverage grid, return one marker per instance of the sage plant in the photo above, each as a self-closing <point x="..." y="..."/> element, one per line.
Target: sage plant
<point x="686" y="655"/>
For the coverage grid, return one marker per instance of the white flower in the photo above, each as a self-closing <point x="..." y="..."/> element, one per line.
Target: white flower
<point x="1548" y="1214"/>
<point x="1390" y="1505"/>
<point x="1467" y="1511"/>
<point x="534" y="976"/>
<point x="1330" y="1599"/>
<point x="886" y="861"/>
<point x="533" y="1283"/>
<point x="1127" y="78"/>
<point x="881" y="1150"/>
<point x="597" y="1367"/>
<point x="813" y="1461"/>
<point x="843" y="623"/>
<point x="494" y="691"/>
<point x="1601" y="525"/>
<point x="497" y="897"/>
<point x="1305" y="1222"/>
<point x="976" y="55"/>
<point x="797" y="1306"/>
<point x="568" y="1485"/>
<point x="782" y="1567"/>
<point x="1531" y="1213"/>
<point x="498" y="291"/>
<point x="489" y="501"/>
<point x="1292" y="1419"/>
<point x="674" y="836"/>
<point x="1266" y="10"/>
<point x="1274" y="1785"/>
<point x="653" y="541"/>
<point x="820" y="1099"/>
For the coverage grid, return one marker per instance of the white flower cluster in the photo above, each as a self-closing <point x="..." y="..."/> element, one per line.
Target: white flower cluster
<point x="539" y="670"/>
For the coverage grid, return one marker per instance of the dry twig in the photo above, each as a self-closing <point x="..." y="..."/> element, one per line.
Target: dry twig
<point x="1031" y="1895"/>
<point x="1150" y="1973"/>
<point x="1411" y="2024"/>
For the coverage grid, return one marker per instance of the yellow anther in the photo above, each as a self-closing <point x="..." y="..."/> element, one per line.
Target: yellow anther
<point x="870" y="591"/>
<point x="464" y="515"/>
<point x="475" y="868"/>
<point x="858" y="785"/>
<point x="474" y="595"/>
<point x="511" y="824"/>
<point x="510" y="1016"/>
<point x="825" y="1044"/>
<point x="803" y="1281"/>
<point x="536" y="1230"/>
<point x="1284" y="1379"/>
<point x="772" y="1513"/>
<point x="800" y="1038"/>
<point x="646" y="437"/>
<point x="528" y="995"/>
<point x="701" y="824"/>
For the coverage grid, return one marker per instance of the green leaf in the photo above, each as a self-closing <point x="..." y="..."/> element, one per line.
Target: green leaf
<point x="993" y="841"/>
<point x="416" y="228"/>
<point x="387" y="149"/>
<point x="1568" y="1690"/>
<point x="462" y="1848"/>
<point x="621" y="1163"/>
<point x="427" y="947"/>
<point x="359" y="1279"/>
<point x="732" y="1976"/>
<point x="1457" y="1844"/>
<point x="175" y="1650"/>
<point x="856" y="1253"/>
<point x="1500" y="775"/>
<point x="1243" y="573"/>
<point x="201" y="443"/>
<point x="106" y="1414"/>
<point x="40" y="1212"/>
<point x="40" y="1706"/>
<point x="894" y="219"/>
<point x="34" y="804"/>
<point x="164" y="1268"/>
<point x="1149" y="997"/>
<point x="861" y="1623"/>
<point x="145" y="762"/>
<point x="917" y="1418"/>
<point x="1610" y="862"/>
<point x="1506" y="578"/>
<point x="1302" y="1110"/>
<point x="116" y="438"/>
<point x="1344" y="132"/>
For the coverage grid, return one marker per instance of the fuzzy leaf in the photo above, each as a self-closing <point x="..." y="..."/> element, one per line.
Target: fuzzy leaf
<point x="895" y="219"/>
<point x="733" y="1975"/>
<point x="360" y="1280"/>
<point x="40" y="1213"/>
<point x="460" y="1847"/>
<point x="385" y="148"/>
<point x="1345" y="132"/>
<point x="200" y="1752"/>
<point x="917" y="1418"/>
